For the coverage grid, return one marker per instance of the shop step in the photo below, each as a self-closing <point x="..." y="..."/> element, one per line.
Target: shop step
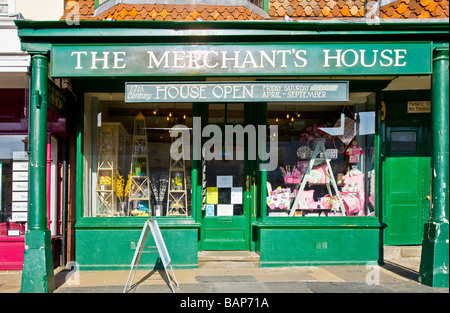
<point x="400" y="252"/>
<point x="228" y="259"/>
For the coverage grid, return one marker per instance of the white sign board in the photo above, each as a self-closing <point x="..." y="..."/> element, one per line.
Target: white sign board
<point x="20" y="186"/>
<point x="224" y="210"/>
<point x="20" y="196"/>
<point x="20" y="176"/>
<point x="20" y="155"/>
<point x="19" y="216"/>
<point x="20" y="166"/>
<point x="163" y="253"/>
<point x="20" y="206"/>
<point x="224" y="181"/>
<point x="152" y="225"/>
<point x="236" y="195"/>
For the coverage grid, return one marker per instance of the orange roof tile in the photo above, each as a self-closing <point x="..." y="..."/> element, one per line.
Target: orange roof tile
<point x="415" y="9"/>
<point x="316" y="8"/>
<point x="295" y="9"/>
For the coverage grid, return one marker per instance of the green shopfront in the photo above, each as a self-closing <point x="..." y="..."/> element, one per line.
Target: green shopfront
<point x="270" y="137"/>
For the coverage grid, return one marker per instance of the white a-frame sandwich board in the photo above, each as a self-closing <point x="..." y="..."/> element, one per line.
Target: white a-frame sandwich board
<point x="152" y="225"/>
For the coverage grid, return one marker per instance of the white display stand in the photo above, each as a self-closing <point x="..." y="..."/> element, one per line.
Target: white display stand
<point x="152" y="225"/>
<point x="139" y="183"/>
<point x="114" y="143"/>
<point x="177" y="194"/>
<point x="320" y="148"/>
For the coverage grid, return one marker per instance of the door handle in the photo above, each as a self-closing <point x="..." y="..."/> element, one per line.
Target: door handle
<point x="428" y="198"/>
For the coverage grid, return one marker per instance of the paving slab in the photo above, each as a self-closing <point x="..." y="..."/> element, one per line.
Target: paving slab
<point x="395" y="276"/>
<point x="344" y="287"/>
<point x="237" y="287"/>
<point x="413" y="287"/>
<point x="286" y="287"/>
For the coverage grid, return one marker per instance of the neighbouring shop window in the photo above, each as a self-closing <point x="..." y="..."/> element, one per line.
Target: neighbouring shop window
<point x="13" y="184"/>
<point x="324" y="168"/>
<point x="4" y="7"/>
<point x="128" y="159"/>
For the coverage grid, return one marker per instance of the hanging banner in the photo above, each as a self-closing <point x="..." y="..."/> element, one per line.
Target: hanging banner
<point x="237" y="91"/>
<point x="251" y="59"/>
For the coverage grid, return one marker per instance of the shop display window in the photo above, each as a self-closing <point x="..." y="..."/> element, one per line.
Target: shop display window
<point x="127" y="154"/>
<point x="324" y="168"/>
<point x="13" y="185"/>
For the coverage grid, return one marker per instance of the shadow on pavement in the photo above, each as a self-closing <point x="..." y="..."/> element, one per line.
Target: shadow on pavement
<point x="401" y="270"/>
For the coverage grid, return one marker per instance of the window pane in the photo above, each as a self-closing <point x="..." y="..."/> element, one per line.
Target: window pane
<point x="3" y="9"/>
<point x="403" y="141"/>
<point x="3" y="6"/>
<point x="128" y="159"/>
<point x="325" y="159"/>
<point x="13" y="185"/>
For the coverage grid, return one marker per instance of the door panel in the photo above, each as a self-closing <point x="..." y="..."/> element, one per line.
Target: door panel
<point x="406" y="184"/>
<point x="226" y="219"/>
<point x="227" y="228"/>
<point x="405" y="199"/>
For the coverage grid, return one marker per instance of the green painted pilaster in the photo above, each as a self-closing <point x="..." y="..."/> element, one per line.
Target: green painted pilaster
<point x="37" y="274"/>
<point x="262" y="120"/>
<point x="266" y="5"/>
<point x="79" y="180"/>
<point x="435" y="249"/>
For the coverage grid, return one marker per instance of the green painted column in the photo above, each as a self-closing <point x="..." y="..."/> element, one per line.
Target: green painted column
<point x="37" y="273"/>
<point x="434" y="264"/>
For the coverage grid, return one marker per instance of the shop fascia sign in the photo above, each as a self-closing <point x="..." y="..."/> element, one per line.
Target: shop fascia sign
<point x="342" y="58"/>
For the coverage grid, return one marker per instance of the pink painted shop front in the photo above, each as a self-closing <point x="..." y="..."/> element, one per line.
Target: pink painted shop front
<point x="14" y="145"/>
<point x="12" y="245"/>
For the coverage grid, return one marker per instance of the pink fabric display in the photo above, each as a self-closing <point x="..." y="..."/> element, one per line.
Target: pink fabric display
<point x="351" y="202"/>
<point x="352" y="194"/>
<point x="356" y="181"/>
<point x="307" y="200"/>
<point x="319" y="175"/>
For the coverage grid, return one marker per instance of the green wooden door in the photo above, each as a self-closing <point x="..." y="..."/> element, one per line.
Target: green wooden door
<point x="406" y="184"/>
<point x="226" y="219"/>
<point x="225" y="222"/>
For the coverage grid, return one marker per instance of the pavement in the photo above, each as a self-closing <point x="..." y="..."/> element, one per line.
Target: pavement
<point x="395" y="276"/>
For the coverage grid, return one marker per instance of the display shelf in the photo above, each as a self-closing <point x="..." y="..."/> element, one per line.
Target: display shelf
<point x="320" y="147"/>
<point x="114" y="140"/>
<point x="177" y="192"/>
<point x="140" y="194"/>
